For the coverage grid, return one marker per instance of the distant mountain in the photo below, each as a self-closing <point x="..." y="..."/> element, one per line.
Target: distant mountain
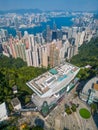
<point x="22" y="11"/>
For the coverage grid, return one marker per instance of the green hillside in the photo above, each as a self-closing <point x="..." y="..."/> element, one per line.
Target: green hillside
<point x="88" y="55"/>
<point x="15" y="72"/>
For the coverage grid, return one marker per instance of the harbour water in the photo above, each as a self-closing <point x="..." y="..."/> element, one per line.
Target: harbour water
<point x="59" y="21"/>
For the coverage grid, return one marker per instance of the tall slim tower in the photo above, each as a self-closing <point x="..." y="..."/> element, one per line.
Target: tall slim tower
<point x="48" y="34"/>
<point x="29" y="58"/>
<point x="54" y="55"/>
<point x="44" y="56"/>
<point x="20" y="50"/>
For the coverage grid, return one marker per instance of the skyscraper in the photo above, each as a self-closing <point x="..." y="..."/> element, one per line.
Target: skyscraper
<point x="20" y="50"/>
<point x="29" y="58"/>
<point x="54" y="55"/>
<point x="48" y="34"/>
<point x="19" y="34"/>
<point x="44" y="56"/>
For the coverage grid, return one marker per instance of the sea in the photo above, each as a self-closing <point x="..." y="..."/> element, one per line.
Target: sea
<point x="59" y="21"/>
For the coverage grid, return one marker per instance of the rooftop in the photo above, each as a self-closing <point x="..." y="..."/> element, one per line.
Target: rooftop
<point x="15" y="102"/>
<point x="53" y="80"/>
<point x="3" y="112"/>
<point x="53" y="71"/>
<point x="14" y="88"/>
<point x="92" y="84"/>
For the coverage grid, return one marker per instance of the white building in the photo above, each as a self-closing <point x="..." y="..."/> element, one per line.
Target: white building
<point x="63" y="50"/>
<point x="90" y="91"/>
<point x="82" y="38"/>
<point x="14" y="88"/>
<point x="16" y="104"/>
<point x="29" y="58"/>
<point x="3" y="112"/>
<point x="52" y="85"/>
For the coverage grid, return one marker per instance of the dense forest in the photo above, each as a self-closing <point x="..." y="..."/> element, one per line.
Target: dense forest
<point x="15" y="72"/>
<point x="88" y="55"/>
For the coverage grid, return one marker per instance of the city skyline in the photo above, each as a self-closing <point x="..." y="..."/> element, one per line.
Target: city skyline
<point x="71" y="5"/>
<point x="49" y="64"/>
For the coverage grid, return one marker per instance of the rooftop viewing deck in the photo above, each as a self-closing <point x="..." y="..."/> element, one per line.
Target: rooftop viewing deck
<point x="54" y="79"/>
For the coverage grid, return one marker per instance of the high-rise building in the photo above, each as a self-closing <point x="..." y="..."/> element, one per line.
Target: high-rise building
<point x="6" y="50"/>
<point x="88" y="35"/>
<point x="63" y="51"/>
<point x="39" y="39"/>
<point x="35" y="58"/>
<point x="54" y="35"/>
<point x="59" y="34"/>
<point x="81" y="38"/>
<point x="29" y="58"/>
<point x="44" y="56"/>
<point x="74" y="32"/>
<point x="13" y="52"/>
<point x="69" y="33"/>
<point x="48" y="34"/>
<point x="20" y="50"/>
<point x="70" y="52"/>
<point x="54" y="55"/>
<point x="3" y="35"/>
<point x="31" y="41"/>
<point x="33" y="52"/>
<point x="19" y="34"/>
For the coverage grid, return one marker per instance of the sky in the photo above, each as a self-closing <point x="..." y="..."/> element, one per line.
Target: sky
<point x="68" y="5"/>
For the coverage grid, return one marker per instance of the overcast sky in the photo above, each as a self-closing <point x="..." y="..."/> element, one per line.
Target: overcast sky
<point x="74" y="5"/>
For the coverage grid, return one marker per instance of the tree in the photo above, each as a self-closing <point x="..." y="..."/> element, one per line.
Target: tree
<point x="37" y="128"/>
<point x="83" y="74"/>
<point x="93" y="108"/>
<point x="10" y="76"/>
<point x="88" y="54"/>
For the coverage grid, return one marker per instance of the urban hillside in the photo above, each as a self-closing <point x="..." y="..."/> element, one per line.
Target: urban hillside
<point x="88" y="55"/>
<point x="15" y="71"/>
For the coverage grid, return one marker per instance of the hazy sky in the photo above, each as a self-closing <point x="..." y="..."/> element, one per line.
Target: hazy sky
<point x="76" y="5"/>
